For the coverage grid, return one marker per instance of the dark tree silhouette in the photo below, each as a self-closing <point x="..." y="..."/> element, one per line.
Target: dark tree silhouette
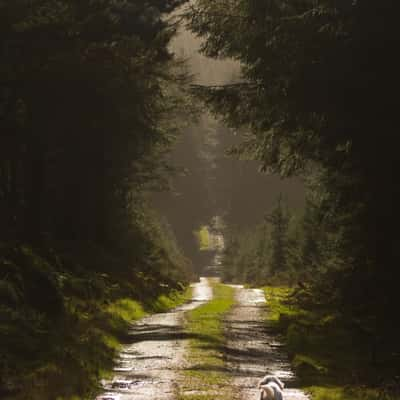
<point x="318" y="94"/>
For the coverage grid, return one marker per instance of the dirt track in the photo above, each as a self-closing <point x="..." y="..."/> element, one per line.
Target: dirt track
<point x="155" y="356"/>
<point x="251" y="351"/>
<point x="156" y="353"/>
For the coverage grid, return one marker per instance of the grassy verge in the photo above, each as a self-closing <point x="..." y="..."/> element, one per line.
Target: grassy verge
<point x="344" y="393"/>
<point x="61" y="325"/>
<point x="330" y="359"/>
<point x="119" y="315"/>
<point x="165" y="302"/>
<point x="81" y="349"/>
<point x="206" y="378"/>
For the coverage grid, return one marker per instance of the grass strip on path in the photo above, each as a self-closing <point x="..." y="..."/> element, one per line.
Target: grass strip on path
<point x="206" y="378"/>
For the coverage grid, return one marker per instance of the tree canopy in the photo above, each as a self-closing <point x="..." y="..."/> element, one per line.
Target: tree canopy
<point x="89" y="99"/>
<point x="86" y="97"/>
<point x="318" y="97"/>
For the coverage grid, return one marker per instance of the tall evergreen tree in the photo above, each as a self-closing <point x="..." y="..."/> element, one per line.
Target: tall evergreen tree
<point x="318" y="89"/>
<point x="89" y="100"/>
<point x="279" y="221"/>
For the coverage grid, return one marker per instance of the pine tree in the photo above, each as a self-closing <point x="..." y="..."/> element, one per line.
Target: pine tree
<point x="279" y="221"/>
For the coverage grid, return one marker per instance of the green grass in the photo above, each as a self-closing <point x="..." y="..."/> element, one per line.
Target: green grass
<point x="125" y="309"/>
<point x="173" y="299"/>
<point x="121" y="313"/>
<point x="343" y="393"/>
<point x="203" y="238"/>
<point x="275" y="297"/>
<point x="206" y="378"/>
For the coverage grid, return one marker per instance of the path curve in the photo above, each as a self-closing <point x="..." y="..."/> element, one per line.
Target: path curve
<point x="251" y="350"/>
<point x="155" y="354"/>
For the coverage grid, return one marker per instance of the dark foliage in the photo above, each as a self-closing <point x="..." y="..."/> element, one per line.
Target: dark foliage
<point x="318" y="96"/>
<point x="89" y="95"/>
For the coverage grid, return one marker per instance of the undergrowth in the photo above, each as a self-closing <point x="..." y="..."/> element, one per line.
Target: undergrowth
<point x="165" y="302"/>
<point x="331" y="360"/>
<point x="344" y="393"/>
<point x="62" y="324"/>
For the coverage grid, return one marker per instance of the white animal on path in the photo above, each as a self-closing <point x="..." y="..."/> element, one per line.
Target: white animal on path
<point x="271" y="388"/>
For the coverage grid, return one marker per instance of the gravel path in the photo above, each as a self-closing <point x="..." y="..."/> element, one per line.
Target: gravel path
<point x="251" y="351"/>
<point x="155" y="356"/>
<point x="156" y="353"/>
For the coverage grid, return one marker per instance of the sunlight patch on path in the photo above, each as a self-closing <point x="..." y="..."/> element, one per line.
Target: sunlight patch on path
<point x="202" y="290"/>
<point x="252" y="351"/>
<point x="250" y="297"/>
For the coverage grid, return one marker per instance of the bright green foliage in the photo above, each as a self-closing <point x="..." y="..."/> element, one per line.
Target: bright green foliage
<point x="203" y="238"/>
<point x="126" y="309"/>
<point x="171" y="300"/>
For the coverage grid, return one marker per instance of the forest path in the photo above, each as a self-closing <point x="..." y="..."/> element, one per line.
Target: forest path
<point x="155" y="355"/>
<point x="251" y="351"/>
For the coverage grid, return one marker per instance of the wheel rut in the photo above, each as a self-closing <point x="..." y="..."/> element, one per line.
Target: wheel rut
<point x="251" y="351"/>
<point x="155" y="356"/>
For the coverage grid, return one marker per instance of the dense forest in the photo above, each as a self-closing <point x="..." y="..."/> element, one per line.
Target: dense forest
<point x="211" y="183"/>
<point x="318" y="97"/>
<point x="92" y="101"/>
<point x="90" y="96"/>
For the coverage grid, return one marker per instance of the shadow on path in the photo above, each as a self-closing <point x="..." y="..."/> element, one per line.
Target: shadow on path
<point x="252" y="351"/>
<point x="153" y="352"/>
